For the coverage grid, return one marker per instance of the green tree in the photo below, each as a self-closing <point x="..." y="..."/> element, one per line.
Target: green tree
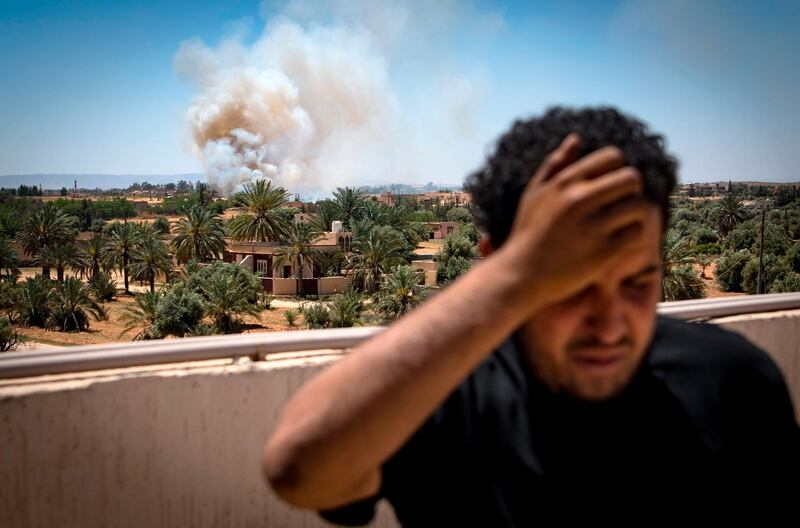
<point x="92" y="256"/>
<point x="400" y="292"/>
<point x="179" y="311"/>
<point x="9" y="297"/>
<point x="124" y="239"/>
<point x="229" y="291"/>
<point x="729" y="212"/>
<point x="775" y="269"/>
<point x="679" y="280"/>
<point x="103" y="288"/>
<point x="297" y="248"/>
<point x="346" y="309"/>
<point x="46" y="226"/>
<point x="161" y="224"/>
<point x="149" y="259"/>
<point x="729" y="269"/>
<point x="793" y="257"/>
<point x="258" y="219"/>
<point x="789" y="283"/>
<point x="350" y="204"/>
<point x="8" y="258"/>
<point x="374" y="254"/>
<point x="60" y="256"/>
<point x="8" y="336"/>
<point x="460" y="214"/>
<point x="199" y="235"/>
<point x="142" y="317"/>
<point x="331" y="263"/>
<point x="454" y="259"/>
<point x="324" y="215"/>
<point x="70" y="306"/>
<point x="743" y="236"/>
<point x="33" y="308"/>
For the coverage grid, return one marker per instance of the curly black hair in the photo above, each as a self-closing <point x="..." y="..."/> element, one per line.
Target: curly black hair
<point x="497" y="186"/>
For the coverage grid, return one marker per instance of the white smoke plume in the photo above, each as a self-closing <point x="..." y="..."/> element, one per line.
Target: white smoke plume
<point x="311" y="102"/>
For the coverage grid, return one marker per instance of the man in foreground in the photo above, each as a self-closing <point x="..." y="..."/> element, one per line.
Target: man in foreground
<point x="543" y="377"/>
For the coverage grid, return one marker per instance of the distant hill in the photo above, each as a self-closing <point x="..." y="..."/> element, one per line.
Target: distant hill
<point x="93" y="181"/>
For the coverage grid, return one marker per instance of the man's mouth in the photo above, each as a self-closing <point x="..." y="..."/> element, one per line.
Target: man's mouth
<point x="599" y="360"/>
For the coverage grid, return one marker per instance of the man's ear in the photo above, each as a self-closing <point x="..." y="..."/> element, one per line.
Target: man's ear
<point x="485" y="245"/>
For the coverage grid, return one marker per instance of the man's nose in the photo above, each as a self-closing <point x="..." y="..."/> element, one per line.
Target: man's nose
<point x="607" y="318"/>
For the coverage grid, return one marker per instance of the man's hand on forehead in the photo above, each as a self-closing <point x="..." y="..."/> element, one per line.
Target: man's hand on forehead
<point x="576" y="217"/>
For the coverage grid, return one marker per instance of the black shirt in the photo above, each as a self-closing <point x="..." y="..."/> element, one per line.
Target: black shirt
<point x="706" y="423"/>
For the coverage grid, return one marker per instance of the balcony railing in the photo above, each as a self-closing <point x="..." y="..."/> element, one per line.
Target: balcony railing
<point x="258" y="346"/>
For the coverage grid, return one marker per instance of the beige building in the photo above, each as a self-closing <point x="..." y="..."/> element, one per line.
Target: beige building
<point x="459" y="198"/>
<point x="258" y="258"/>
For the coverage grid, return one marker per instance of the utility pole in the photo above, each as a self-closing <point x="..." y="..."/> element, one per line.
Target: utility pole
<point x="760" y="284"/>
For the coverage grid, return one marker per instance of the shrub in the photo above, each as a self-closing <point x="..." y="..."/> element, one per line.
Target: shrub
<point x="8" y="336"/>
<point x="103" y="288"/>
<point x="775" y="268"/>
<point x="317" y="315"/>
<point x="729" y="270"/>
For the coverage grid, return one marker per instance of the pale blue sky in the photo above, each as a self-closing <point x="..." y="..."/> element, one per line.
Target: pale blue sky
<point x="90" y="87"/>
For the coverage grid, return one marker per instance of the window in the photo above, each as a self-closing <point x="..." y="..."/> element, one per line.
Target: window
<point x="262" y="267"/>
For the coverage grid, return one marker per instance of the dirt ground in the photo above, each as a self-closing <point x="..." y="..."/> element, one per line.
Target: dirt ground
<point x="110" y="330"/>
<point x="708" y="278"/>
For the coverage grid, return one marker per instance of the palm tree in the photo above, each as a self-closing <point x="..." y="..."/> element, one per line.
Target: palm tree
<point x="147" y="230"/>
<point x="350" y="205"/>
<point x="258" y="220"/>
<point x="346" y="309"/>
<point x="92" y="256"/>
<point x="374" y="254"/>
<point x="297" y="249"/>
<point x="728" y="212"/>
<point x="679" y="280"/>
<point x="60" y="256"/>
<point x="326" y="212"/>
<point x="199" y="235"/>
<point x="123" y="241"/>
<point x="227" y="296"/>
<point x="400" y="292"/>
<point x="70" y="306"/>
<point x="9" y="297"/>
<point x="8" y="258"/>
<point x="34" y="295"/>
<point x="142" y="316"/>
<point x="150" y="258"/>
<point x="45" y="226"/>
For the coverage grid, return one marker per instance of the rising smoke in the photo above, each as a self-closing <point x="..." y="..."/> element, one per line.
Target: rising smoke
<point x="313" y="105"/>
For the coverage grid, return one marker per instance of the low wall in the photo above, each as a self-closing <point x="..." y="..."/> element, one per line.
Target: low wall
<point x="284" y="286"/>
<point x="181" y="445"/>
<point x="779" y="334"/>
<point x="331" y="285"/>
<point x="176" y="446"/>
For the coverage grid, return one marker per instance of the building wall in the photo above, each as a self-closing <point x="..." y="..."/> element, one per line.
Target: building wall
<point x="428" y="267"/>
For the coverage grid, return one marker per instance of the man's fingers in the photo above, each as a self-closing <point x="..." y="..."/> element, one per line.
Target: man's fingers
<point x="563" y="155"/>
<point x="591" y="166"/>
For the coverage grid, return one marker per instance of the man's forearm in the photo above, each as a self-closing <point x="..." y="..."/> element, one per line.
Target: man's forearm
<point x="353" y="416"/>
